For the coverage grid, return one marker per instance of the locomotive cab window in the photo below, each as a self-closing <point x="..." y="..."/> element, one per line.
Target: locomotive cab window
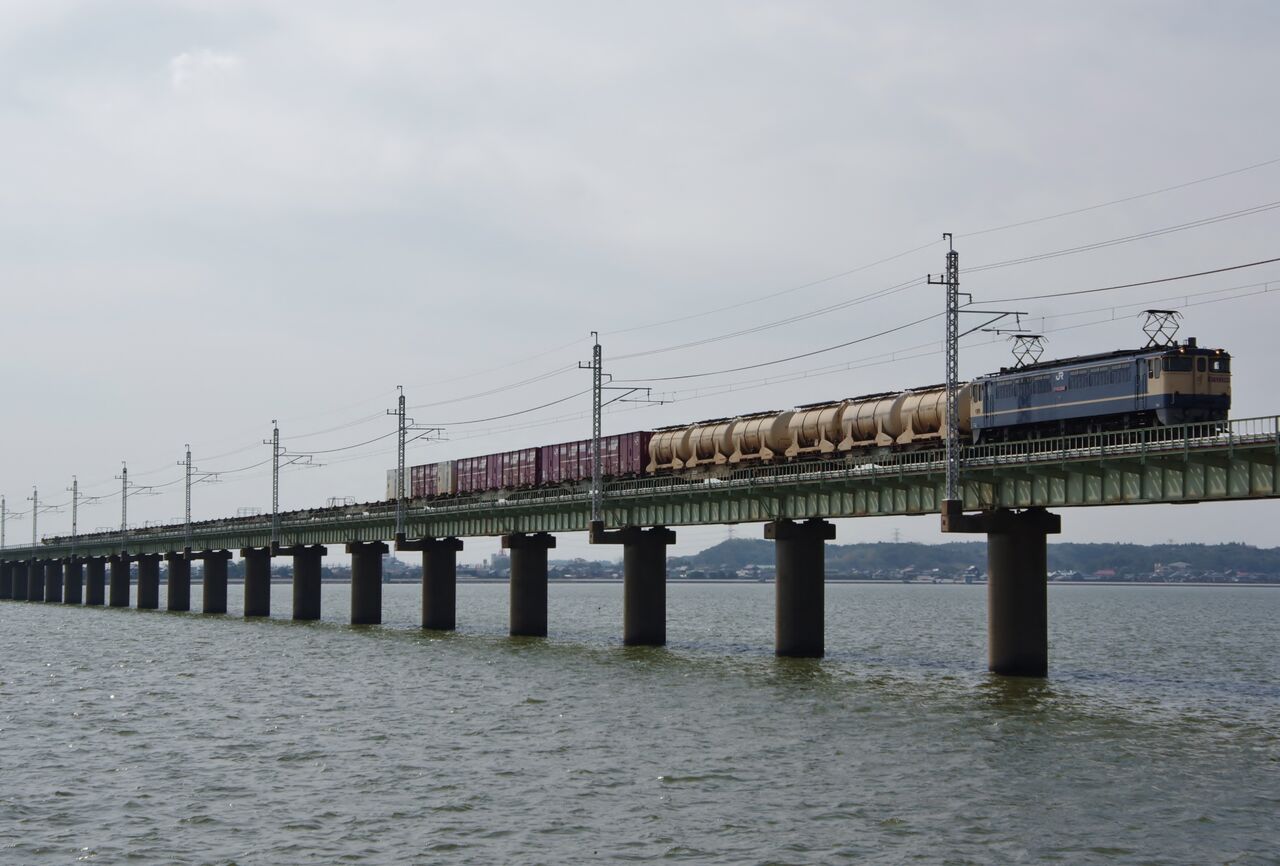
<point x="1220" y="365"/>
<point x="1200" y="364"/>
<point x="1177" y="364"/>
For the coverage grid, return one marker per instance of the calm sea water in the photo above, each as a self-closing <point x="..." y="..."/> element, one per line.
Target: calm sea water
<point x="147" y="737"/>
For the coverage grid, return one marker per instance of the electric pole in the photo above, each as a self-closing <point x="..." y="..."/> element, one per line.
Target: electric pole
<point x="34" y="499"/>
<point x="951" y="279"/>
<point x="186" y="529"/>
<point x="400" y="466"/>
<point x="4" y="514"/>
<point x="954" y="498"/>
<point x="274" y="442"/>
<point x="597" y="386"/>
<point x="124" y="506"/>
<point x="194" y="475"/>
<point x="75" y="508"/>
<point x="403" y="425"/>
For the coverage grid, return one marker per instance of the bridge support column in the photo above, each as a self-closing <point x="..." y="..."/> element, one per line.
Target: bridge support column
<point x="53" y="580"/>
<point x="1017" y="585"/>
<point x="306" y="578"/>
<point x="644" y="580"/>
<point x="95" y="578"/>
<point x="6" y="580"/>
<point x="21" y="581"/>
<point x="799" y="593"/>
<point x="257" y="581"/>
<point x="118" y="589"/>
<point x="214" y="589"/>
<point x="529" y="582"/>
<point x="35" y="581"/>
<point x="179" y="564"/>
<point x="366" y="581"/>
<point x="72" y="581"/>
<point x="439" y="580"/>
<point x="148" y="581"/>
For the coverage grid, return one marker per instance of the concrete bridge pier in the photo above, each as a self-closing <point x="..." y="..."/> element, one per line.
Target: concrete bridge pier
<point x="366" y="581"/>
<point x="214" y="593"/>
<point x="306" y="578"/>
<point x="528" y="582"/>
<point x="179" y="564"/>
<point x="95" y="578"/>
<point x="257" y="581"/>
<point x="799" y="592"/>
<point x="53" y="580"/>
<point x="72" y="580"/>
<point x="1017" y="585"/>
<point x="21" y="581"/>
<point x="35" y="581"/>
<point x="439" y="580"/>
<point x="644" y="580"/>
<point x="148" y="581"/>
<point x="6" y="579"/>
<point x="118" y="587"/>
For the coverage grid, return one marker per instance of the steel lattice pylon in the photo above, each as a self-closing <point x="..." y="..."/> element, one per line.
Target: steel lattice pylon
<point x="953" y="368"/>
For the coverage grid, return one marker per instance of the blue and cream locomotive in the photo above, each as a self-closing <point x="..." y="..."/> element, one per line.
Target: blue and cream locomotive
<point x="1164" y="385"/>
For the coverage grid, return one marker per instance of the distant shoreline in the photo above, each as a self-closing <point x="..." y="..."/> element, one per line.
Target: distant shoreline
<point x="835" y="581"/>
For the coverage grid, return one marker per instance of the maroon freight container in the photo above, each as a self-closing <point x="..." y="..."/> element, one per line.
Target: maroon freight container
<point x="504" y="471"/>
<point x="521" y="468"/>
<point x="620" y="455"/>
<point x="432" y="479"/>
<point x="474" y="475"/>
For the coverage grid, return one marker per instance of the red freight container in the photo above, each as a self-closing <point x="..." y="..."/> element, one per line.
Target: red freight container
<point x="432" y="479"/>
<point x="620" y="455"/>
<point x="521" y="468"/>
<point x="504" y="471"/>
<point x="474" y="475"/>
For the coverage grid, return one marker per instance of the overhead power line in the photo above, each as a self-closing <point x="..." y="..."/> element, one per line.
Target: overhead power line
<point x="1125" y="200"/>
<point x="1135" y="285"/>
<point x="1039" y="257"/>
<point x="770" y="296"/>
<point x="823" y="350"/>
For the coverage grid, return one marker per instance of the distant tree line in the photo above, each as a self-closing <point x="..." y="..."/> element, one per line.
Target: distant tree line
<point x="739" y="553"/>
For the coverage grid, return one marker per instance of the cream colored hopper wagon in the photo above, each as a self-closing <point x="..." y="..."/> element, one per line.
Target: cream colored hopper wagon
<point x="878" y="420"/>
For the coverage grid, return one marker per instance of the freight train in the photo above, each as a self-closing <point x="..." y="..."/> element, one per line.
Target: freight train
<point x="1164" y="385"/>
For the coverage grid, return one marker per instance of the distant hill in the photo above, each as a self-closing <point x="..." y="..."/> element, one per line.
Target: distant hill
<point x="736" y="553"/>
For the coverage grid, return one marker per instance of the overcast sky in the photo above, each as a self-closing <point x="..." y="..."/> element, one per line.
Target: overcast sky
<point x="219" y="213"/>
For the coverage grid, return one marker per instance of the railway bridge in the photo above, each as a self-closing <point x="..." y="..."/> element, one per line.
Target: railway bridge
<point x="1007" y="488"/>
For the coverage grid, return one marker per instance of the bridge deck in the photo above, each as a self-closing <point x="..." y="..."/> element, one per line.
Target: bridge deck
<point x="1188" y="463"/>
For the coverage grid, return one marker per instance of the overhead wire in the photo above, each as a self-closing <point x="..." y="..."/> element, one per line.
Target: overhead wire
<point x="1198" y="223"/>
<point x="789" y="358"/>
<point x="772" y="295"/>
<point x="1125" y="200"/>
<point x="1119" y="286"/>
<point x="789" y="320"/>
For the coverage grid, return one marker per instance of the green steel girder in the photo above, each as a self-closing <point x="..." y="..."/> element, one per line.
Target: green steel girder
<point x="1191" y="464"/>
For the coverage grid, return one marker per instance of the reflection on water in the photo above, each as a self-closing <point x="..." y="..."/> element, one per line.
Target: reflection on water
<point x="189" y="739"/>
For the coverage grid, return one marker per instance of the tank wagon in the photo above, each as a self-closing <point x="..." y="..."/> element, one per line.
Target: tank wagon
<point x="1165" y="385"/>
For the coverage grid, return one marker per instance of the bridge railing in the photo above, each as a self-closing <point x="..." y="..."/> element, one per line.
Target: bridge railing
<point x="1113" y="443"/>
<point x="876" y="464"/>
